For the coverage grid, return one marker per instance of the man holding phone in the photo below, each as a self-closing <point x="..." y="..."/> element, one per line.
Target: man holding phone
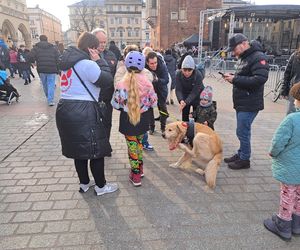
<point x="248" y="93"/>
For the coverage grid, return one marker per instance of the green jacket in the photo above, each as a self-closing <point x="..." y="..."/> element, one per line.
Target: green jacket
<point x="285" y="150"/>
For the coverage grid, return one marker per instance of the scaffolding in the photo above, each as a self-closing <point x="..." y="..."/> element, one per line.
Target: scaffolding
<point x="210" y="14"/>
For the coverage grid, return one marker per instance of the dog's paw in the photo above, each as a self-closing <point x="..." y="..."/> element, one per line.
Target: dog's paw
<point x="200" y="171"/>
<point x="173" y="165"/>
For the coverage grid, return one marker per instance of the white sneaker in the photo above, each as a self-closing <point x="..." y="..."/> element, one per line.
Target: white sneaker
<point x="83" y="188"/>
<point x="108" y="188"/>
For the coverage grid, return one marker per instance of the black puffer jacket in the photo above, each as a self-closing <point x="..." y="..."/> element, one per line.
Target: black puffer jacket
<point x="46" y="57"/>
<point x="79" y="122"/>
<point x="250" y="77"/>
<point x="189" y="89"/>
<point x="291" y="74"/>
<point x="171" y="65"/>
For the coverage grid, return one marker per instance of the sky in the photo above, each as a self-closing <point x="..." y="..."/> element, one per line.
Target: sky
<point x="60" y="8"/>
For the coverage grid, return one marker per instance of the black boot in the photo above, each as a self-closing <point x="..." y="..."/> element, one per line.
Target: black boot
<point x="172" y="102"/>
<point x="152" y="129"/>
<point x="239" y="164"/>
<point x="280" y="227"/>
<point x="26" y="82"/>
<point x="232" y="158"/>
<point x="296" y="224"/>
<point x="157" y="118"/>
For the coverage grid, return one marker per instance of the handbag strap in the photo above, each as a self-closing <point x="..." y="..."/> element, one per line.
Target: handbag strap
<point x="87" y="89"/>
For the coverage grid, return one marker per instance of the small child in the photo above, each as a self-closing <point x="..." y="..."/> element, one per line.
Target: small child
<point x="134" y="96"/>
<point x="206" y="112"/>
<point x="285" y="153"/>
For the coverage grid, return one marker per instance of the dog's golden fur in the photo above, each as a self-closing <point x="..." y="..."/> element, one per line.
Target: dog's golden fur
<point x="207" y="149"/>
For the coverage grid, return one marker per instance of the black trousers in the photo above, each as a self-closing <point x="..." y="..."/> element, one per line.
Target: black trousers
<point x="108" y="118"/>
<point x="186" y="111"/>
<point x="97" y="169"/>
<point x="163" y="114"/>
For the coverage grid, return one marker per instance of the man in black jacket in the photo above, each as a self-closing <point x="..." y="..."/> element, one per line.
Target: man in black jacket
<point x="111" y="61"/>
<point x="248" y="93"/>
<point x="160" y="83"/>
<point x="46" y="57"/>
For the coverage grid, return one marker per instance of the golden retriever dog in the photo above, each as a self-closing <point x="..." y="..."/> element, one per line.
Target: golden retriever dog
<point x="206" y="151"/>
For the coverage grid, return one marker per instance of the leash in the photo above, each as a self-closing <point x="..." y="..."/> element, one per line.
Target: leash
<point x="169" y="115"/>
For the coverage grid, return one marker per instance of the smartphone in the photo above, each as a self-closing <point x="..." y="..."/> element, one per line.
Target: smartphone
<point x="222" y="74"/>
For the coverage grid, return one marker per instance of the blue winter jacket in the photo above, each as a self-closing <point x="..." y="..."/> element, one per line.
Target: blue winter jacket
<point x="3" y="75"/>
<point x="285" y="150"/>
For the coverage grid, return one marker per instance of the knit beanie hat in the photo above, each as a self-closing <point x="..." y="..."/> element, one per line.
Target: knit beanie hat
<point x="207" y="95"/>
<point x="295" y="91"/>
<point x="188" y="63"/>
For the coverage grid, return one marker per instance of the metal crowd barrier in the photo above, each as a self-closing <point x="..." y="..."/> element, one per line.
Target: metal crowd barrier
<point x="213" y="66"/>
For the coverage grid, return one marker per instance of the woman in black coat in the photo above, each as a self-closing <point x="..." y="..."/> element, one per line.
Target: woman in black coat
<point x="189" y="86"/>
<point x="79" y="119"/>
<point x="291" y="76"/>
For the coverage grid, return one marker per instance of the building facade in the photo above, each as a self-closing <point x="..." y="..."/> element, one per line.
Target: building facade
<point x="70" y="38"/>
<point x="14" y="23"/>
<point x="146" y="31"/>
<point x="87" y="15"/>
<point x="122" y="19"/>
<point x="172" y="21"/>
<point x="43" y="23"/>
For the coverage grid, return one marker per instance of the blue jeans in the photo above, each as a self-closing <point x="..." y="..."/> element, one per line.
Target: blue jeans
<point x="243" y="132"/>
<point x="145" y="139"/>
<point x="48" y="81"/>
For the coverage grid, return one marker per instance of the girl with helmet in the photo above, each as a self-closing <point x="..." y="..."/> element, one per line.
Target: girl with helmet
<point x="134" y="97"/>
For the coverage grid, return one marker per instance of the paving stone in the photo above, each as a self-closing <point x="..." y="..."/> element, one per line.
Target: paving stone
<point x="27" y="182"/>
<point x="52" y="215"/>
<point x="15" y="242"/>
<point x="35" y="189"/>
<point x="42" y="205"/>
<point x="65" y="204"/>
<point x="61" y="195"/>
<point x="5" y="183"/>
<point x="30" y="228"/>
<point x="21" y="170"/>
<point x="6" y="229"/>
<point x="79" y="214"/>
<point x="45" y="240"/>
<point x="48" y="181"/>
<point x="82" y="226"/>
<point x="38" y="197"/>
<point x="57" y="227"/>
<point x="71" y="239"/>
<point x="18" y="206"/>
<point x="26" y="216"/>
<point x="16" y="197"/>
<point x="13" y="189"/>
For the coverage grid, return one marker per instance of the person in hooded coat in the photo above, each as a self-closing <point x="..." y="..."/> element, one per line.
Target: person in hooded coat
<point x="79" y="119"/>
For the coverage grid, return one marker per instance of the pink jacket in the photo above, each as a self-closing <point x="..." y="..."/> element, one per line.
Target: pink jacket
<point x="148" y="96"/>
<point x="13" y="56"/>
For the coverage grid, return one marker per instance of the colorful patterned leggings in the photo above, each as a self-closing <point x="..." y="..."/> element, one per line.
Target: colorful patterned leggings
<point x="135" y="152"/>
<point x="289" y="201"/>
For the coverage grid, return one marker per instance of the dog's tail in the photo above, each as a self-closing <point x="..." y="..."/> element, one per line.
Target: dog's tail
<point x="211" y="170"/>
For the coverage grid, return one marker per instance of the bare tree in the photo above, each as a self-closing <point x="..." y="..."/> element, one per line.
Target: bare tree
<point x="86" y="13"/>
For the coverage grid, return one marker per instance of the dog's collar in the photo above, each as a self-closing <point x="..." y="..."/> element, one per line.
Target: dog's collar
<point x="190" y="132"/>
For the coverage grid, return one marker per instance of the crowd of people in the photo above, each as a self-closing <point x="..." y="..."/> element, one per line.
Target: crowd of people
<point x="95" y="80"/>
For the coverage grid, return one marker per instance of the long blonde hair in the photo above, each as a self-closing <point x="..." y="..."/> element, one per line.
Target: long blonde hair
<point x="133" y="97"/>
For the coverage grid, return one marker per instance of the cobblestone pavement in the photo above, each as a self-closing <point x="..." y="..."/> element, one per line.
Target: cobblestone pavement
<point x="41" y="208"/>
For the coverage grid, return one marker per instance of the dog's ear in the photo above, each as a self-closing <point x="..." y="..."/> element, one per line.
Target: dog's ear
<point x="182" y="127"/>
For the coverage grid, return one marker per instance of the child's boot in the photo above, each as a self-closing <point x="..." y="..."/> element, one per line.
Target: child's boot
<point x="296" y="224"/>
<point x="135" y="179"/>
<point x="280" y="227"/>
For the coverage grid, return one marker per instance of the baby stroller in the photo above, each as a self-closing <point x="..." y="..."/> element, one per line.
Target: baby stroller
<point x="8" y="92"/>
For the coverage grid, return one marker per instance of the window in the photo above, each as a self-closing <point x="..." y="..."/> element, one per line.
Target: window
<point x="112" y="21"/>
<point x="121" y="33"/>
<point x="153" y="4"/>
<point x="110" y="8"/>
<point x="147" y="36"/>
<point x="128" y="8"/>
<point x="174" y="15"/>
<point x="120" y="20"/>
<point x="182" y="14"/>
<point x="129" y="33"/>
<point x="102" y="24"/>
<point x="137" y="32"/>
<point x="120" y="8"/>
<point x="31" y="22"/>
<point x="136" y="21"/>
<point x="112" y="32"/>
<point x="128" y="20"/>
